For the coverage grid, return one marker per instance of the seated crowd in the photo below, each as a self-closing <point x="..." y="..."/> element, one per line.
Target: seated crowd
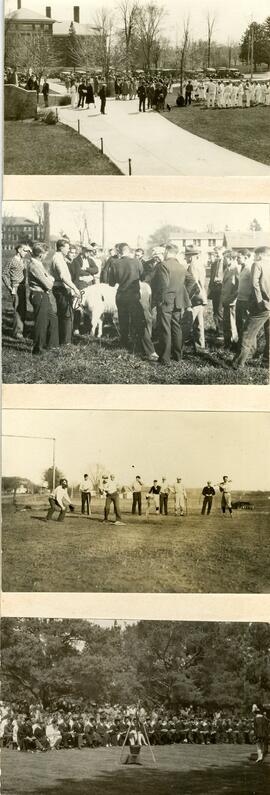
<point x="33" y="728"/>
<point x="160" y="298"/>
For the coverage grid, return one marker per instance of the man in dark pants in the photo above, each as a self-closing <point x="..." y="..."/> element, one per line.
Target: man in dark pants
<point x="85" y="489"/>
<point x="45" y="92"/>
<point x="214" y="290"/>
<point x="81" y="94"/>
<point x="82" y="270"/>
<point x="59" y="500"/>
<point x="103" y="97"/>
<point x="112" y="490"/>
<point x="43" y="302"/>
<point x="208" y="493"/>
<point x="137" y="495"/>
<point x="164" y="496"/>
<point x="142" y="97"/>
<point x="172" y="299"/>
<point x="126" y="272"/>
<point x="64" y="290"/>
<point x="14" y="279"/>
<point x="188" y="93"/>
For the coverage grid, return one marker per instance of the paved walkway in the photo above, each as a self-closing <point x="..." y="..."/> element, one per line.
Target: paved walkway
<point x="155" y="145"/>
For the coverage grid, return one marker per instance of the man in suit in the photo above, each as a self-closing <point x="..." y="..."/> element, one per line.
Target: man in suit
<point x="126" y="271"/>
<point x="103" y="97"/>
<point x="64" y="291"/>
<point x="81" y="94"/>
<point x="172" y="299"/>
<point x="142" y="96"/>
<point x="214" y="289"/>
<point x="259" y="316"/>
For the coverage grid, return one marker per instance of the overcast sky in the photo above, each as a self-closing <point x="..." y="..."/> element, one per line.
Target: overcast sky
<point x="196" y="446"/>
<point x="231" y="17"/>
<point x="119" y="218"/>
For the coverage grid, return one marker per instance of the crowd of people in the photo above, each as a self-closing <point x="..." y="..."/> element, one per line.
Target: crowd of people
<point x="33" y="728"/>
<point x="157" y="496"/>
<point x="170" y="316"/>
<point x="212" y="93"/>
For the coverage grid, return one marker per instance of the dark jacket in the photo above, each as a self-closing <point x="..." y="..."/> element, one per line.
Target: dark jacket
<point x="90" y="99"/>
<point x="170" y="283"/>
<point x="126" y="272"/>
<point x="76" y="272"/>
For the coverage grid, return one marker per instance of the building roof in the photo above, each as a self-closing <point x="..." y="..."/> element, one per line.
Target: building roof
<point x="26" y="15"/>
<point x="246" y="239"/>
<point x="18" y="221"/>
<point x="63" y="29"/>
<point x="197" y="235"/>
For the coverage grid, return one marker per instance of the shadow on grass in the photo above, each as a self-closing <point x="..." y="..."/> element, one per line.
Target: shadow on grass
<point x="241" y="780"/>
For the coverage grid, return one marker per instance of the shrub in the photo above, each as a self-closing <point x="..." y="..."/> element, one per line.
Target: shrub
<point x="50" y="117"/>
<point x="65" y="100"/>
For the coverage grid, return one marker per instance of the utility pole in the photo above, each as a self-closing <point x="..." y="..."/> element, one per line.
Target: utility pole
<point x="46" y="214"/>
<point x="103" y="224"/>
<point x="252" y="52"/>
<point x="53" y="473"/>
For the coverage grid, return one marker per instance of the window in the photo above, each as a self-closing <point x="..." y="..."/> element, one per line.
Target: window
<point x="197" y="242"/>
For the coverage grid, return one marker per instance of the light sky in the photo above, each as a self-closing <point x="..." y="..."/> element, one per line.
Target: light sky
<point x="231" y="17"/>
<point x="119" y="218"/>
<point x="196" y="446"/>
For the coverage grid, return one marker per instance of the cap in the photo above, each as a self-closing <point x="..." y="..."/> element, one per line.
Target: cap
<point x="192" y="251"/>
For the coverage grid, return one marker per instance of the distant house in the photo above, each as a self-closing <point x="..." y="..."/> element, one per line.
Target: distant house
<point x="19" y="230"/>
<point x="204" y="241"/>
<point x="26" y="21"/>
<point x="243" y="240"/>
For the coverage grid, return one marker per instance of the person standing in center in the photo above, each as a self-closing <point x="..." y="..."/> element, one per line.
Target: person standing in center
<point x="85" y="489"/>
<point x="137" y="495"/>
<point x="64" y="290"/>
<point x="126" y="272"/>
<point x="43" y="302"/>
<point x="208" y="493"/>
<point x="171" y="299"/>
<point x="226" y="497"/>
<point x="112" y="490"/>
<point x="164" y="496"/>
<point x="103" y="96"/>
<point x="180" y="497"/>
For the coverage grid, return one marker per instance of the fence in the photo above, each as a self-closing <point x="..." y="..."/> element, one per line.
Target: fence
<point x="99" y="142"/>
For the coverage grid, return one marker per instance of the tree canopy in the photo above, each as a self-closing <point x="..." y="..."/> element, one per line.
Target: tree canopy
<point x="166" y="663"/>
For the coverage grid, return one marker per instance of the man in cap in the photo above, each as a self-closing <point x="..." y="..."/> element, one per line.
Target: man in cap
<point x="154" y="492"/>
<point x="59" y="499"/>
<point x="259" y="316"/>
<point x="245" y="259"/>
<point x="164" y="496"/>
<point x="229" y="292"/>
<point x="137" y="495"/>
<point x="226" y="498"/>
<point x="85" y="489"/>
<point x="197" y="270"/>
<point x="208" y="493"/>
<point x="14" y="280"/>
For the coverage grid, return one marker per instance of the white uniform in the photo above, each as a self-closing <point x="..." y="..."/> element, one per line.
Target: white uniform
<point x="211" y="94"/>
<point x="180" y="497"/>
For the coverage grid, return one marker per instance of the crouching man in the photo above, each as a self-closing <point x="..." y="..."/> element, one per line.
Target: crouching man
<point x="59" y="501"/>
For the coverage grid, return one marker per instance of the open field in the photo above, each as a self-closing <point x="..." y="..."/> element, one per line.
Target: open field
<point x="155" y="554"/>
<point x="190" y="770"/>
<point x="90" y="361"/>
<point x="32" y="147"/>
<point x="242" y="130"/>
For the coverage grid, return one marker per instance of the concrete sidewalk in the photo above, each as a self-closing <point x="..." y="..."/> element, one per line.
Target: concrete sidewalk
<point x="155" y="145"/>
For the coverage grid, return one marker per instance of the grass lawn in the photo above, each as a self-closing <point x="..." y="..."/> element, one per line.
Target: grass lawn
<point x="185" y="770"/>
<point x="243" y="130"/>
<point x="32" y="147"/>
<point x="156" y="554"/>
<point x="90" y="361"/>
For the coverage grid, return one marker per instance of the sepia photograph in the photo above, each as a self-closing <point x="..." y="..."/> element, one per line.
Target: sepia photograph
<point x="136" y="292"/>
<point x="137" y="88"/>
<point x="148" y="501"/>
<point x="134" y="706"/>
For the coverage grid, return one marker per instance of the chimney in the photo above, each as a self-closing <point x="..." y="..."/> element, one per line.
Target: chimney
<point x="76" y="13"/>
<point x="19" y="4"/>
<point x="48" y="12"/>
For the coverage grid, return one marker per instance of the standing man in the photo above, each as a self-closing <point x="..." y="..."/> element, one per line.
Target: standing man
<point x="171" y="299"/>
<point x="82" y="271"/>
<point x="180" y="497"/>
<point x="245" y="260"/>
<point x="259" y="308"/>
<point x="137" y="495"/>
<point x="154" y="491"/>
<point x="261" y="731"/>
<point x="112" y="491"/>
<point x="59" y="499"/>
<point x="85" y="489"/>
<point x="214" y="289"/>
<point x="208" y="493"/>
<point x="164" y="496"/>
<point x="188" y="93"/>
<point x="43" y="302"/>
<point x="14" y="280"/>
<point x="226" y="497"/>
<point x="64" y="290"/>
<point x="142" y="96"/>
<point x="126" y="272"/>
<point x="229" y="292"/>
<point x="103" y="96"/>
<point x="45" y="92"/>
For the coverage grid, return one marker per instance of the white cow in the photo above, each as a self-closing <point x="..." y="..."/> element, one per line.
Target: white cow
<point x="99" y="299"/>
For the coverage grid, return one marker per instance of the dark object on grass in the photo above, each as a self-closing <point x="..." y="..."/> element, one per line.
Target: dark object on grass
<point x="50" y="117"/>
<point x="65" y="100"/>
<point x="243" y="505"/>
<point x="180" y="101"/>
<point x="168" y="107"/>
<point x="71" y="508"/>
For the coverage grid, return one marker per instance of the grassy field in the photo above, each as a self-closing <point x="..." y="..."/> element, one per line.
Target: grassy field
<point x="32" y="147"/>
<point x="90" y="361"/>
<point x="155" y="554"/>
<point x="189" y="770"/>
<point x="245" y="131"/>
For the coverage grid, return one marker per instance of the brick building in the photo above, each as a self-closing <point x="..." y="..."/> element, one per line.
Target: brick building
<point x="18" y="230"/>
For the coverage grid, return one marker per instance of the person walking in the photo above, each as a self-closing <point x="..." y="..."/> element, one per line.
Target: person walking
<point x="112" y="491"/>
<point x="208" y="493"/>
<point x="64" y="290"/>
<point x="14" y="279"/>
<point x="81" y="94"/>
<point x="89" y="97"/>
<point x="85" y="489"/>
<point x="137" y="495"/>
<point x="188" y="93"/>
<point x="43" y="302"/>
<point x="164" y="496"/>
<point x="59" y="500"/>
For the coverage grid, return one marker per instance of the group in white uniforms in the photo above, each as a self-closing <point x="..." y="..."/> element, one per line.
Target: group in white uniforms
<point x="228" y="94"/>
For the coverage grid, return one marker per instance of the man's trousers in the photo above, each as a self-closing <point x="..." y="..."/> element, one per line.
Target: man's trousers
<point x="54" y="506"/>
<point x="163" y="503"/>
<point x="45" y="322"/>
<point x="65" y="315"/>
<point x="86" y="501"/>
<point x="255" y="324"/>
<point x="242" y="315"/>
<point x="19" y="308"/>
<point x="217" y="306"/>
<point x="112" y="498"/>
<point x="132" y="321"/>
<point x="207" y="503"/>
<point x="169" y="332"/>
<point x="229" y="324"/>
<point x="137" y="500"/>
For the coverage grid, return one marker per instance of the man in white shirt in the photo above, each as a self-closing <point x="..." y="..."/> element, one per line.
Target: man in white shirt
<point x="164" y="496"/>
<point x="85" y="489"/>
<point x="137" y="495"/>
<point x="59" y="499"/>
<point x="180" y="497"/>
<point x="112" y="490"/>
<point x="64" y="290"/>
<point x="225" y="488"/>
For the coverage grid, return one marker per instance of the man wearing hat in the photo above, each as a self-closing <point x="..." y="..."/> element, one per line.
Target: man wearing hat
<point x="229" y="292"/>
<point x="64" y="291"/>
<point x="259" y="317"/>
<point x="85" y="489"/>
<point x="214" y="288"/>
<point x="126" y="271"/>
<point x="82" y="270"/>
<point x="172" y="299"/>
<point x="197" y="270"/>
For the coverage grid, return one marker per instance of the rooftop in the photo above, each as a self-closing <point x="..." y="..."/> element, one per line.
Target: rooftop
<point x="26" y="15"/>
<point x="18" y="221"/>
<point x="246" y="239"/>
<point x="63" y="29"/>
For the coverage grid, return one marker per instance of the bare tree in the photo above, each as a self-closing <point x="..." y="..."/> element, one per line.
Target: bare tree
<point x="104" y="23"/>
<point x="32" y="52"/>
<point x="129" y="15"/>
<point x="149" y="30"/>
<point x="184" y="49"/>
<point x="210" y="20"/>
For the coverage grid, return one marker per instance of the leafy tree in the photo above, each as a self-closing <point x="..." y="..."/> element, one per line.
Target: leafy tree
<point x="164" y="233"/>
<point x="150" y="18"/>
<point x="255" y="226"/>
<point x="48" y="476"/>
<point x="261" y="42"/>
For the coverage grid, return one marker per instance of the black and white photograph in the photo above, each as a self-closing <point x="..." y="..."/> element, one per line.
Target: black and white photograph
<point x="137" y="88"/>
<point x="154" y="707"/>
<point x="136" y="292"/>
<point x="148" y="501"/>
